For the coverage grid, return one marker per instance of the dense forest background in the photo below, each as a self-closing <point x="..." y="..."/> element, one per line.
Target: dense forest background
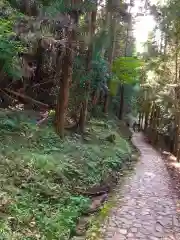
<point x="160" y="82"/>
<point x="59" y="56"/>
<point x="68" y="73"/>
<point x="71" y="82"/>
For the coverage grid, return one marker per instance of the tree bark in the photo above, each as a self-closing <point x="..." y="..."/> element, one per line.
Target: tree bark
<point x="37" y="75"/>
<point x="66" y="74"/>
<point x="121" y="102"/>
<point x="66" y="78"/>
<point x="139" y="119"/>
<point x="146" y="122"/>
<point x="106" y="100"/>
<point x="83" y="113"/>
<point x="177" y="114"/>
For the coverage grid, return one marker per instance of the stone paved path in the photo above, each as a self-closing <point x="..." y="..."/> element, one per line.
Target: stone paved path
<point x="148" y="210"/>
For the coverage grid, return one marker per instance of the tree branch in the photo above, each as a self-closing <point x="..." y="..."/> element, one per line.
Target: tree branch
<point x="27" y="98"/>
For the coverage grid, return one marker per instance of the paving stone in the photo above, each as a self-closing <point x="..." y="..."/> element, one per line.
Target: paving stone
<point x="153" y="238"/>
<point x="175" y="221"/>
<point x="140" y="235"/>
<point x="134" y="230"/>
<point x="123" y="231"/>
<point x="148" y="210"/>
<point x="130" y="235"/>
<point x="159" y="227"/>
<point x="118" y="237"/>
<point x="138" y="225"/>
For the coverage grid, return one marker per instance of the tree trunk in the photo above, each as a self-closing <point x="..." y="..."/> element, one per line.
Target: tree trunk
<point x="105" y="109"/>
<point x="37" y="75"/>
<point x="66" y="78"/>
<point x="142" y="121"/>
<point x="146" y="122"/>
<point x="175" y="151"/>
<point x="177" y="97"/>
<point x="66" y="72"/>
<point x="178" y="140"/>
<point x="83" y="113"/>
<point x="157" y="125"/>
<point x="84" y="107"/>
<point x="113" y="39"/>
<point x="94" y="97"/>
<point x="121" y="107"/>
<point x="152" y="115"/>
<point x="139" y="119"/>
<point x="121" y="102"/>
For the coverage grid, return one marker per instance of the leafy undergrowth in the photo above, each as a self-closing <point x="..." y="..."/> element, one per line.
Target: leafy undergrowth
<point x="96" y="228"/>
<point x="40" y="175"/>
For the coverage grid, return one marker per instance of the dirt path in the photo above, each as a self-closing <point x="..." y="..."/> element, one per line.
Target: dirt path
<point x="149" y="204"/>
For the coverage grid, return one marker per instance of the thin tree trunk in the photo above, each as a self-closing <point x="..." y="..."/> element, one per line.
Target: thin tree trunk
<point x="152" y="115"/>
<point x="66" y="78"/>
<point x="106" y="100"/>
<point x="139" y="119"/>
<point x="154" y="124"/>
<point x="66" y="72"/>
<point x="113" y="39"/>
<point x="84" y="107"/>
<point x="177" y="118"/>
<point x="94" y="97"/>
<point x="141" y="122"/>
<point x="121" y="106"/>
<point x="178" y="140"/>
<point x="156" y="139"/>
<point x="37" y="75"/>
<point x="146" y="122"/>
<point x="121" y="102"/>
<point x="83" y="113"/>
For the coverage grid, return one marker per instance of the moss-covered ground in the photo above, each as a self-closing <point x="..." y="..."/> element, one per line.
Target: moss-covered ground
<point x="41" y="175"/>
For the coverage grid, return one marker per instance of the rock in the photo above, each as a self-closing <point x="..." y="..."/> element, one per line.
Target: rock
<point x="97" y="190"/>
<point x="166" y="153"/>
<point x="172" y="158"/>
<point x="159" y="227"/>
<point x="123" y="231"/>
<point x="118" y="237"/>
<point x="78" y="238"/>
<point x="97" y="202"/>
<point x="130" y="235"/>
<point x="134" y="230"/>
<point x="134" y="157"/>
<point x="82" y="225"/>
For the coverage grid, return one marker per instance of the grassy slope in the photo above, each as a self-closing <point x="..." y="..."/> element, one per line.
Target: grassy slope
<point x="39" y="175"/>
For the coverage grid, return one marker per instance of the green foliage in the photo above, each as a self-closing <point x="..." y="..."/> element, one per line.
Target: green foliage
<point x="98" y="74"/>
<point x="127" y="69"/>
<point x="114" y="84"/>
<point x="54" y="7"/>
<point x="100" y="71"/>
<point x="53" y="221"/>
<point x="9" y="48"/>
<point x="40" y="175"/>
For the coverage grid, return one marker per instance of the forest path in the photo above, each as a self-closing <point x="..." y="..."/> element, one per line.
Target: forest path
<point x="148" y="210"/>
